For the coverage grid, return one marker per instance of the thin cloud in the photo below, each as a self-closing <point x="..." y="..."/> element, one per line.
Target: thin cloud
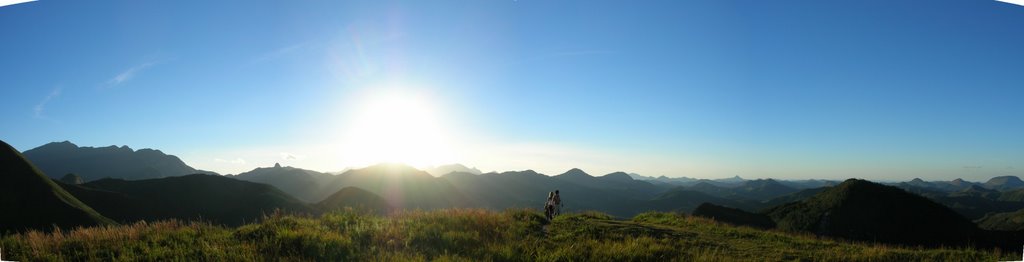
<point x="130" y="73"/>
<point x="41" y="106"/>
<point x="290" y="156"/>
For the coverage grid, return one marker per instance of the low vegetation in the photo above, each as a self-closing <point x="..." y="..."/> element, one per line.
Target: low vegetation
<point x="458" y="235"/>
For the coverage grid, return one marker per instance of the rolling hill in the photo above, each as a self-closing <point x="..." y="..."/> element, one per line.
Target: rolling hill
<point x="733" y="216"/>
<point x="213" y="198"/>
<point x="862" y="210"/>
<point x="403" y="187"/>
<point x="30" y="200"/>
<point x="306" y="185"/>
<point x="1008" y="221"/>
<point x="355" y="198"/>
<point x="452" y="168"/>
<point x="1003" y="183"/>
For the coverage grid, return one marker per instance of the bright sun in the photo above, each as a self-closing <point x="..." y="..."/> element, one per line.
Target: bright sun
<point x="396" y="126"/>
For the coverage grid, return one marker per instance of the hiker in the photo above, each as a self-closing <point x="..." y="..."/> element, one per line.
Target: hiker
<point x="549" y="206"/>
<point x="558" y="204"/>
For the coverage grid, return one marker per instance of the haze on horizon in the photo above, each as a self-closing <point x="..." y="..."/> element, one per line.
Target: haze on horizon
<point x="872" y="89"/>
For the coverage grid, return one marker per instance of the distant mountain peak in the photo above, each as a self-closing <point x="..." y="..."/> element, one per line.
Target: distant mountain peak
<point x="917" y="180"/>
<point x="277" y="165"/>
<point x="1004" y="182"/>
<point x="452" y="168"/>
<point x="618" y="176"/>
<point x="575" y="172"/>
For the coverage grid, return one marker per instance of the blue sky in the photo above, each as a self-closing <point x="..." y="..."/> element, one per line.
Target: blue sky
<point x="785" y="89"/>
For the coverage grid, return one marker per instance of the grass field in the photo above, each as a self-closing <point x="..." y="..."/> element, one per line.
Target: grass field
<point x="459" y="235"/>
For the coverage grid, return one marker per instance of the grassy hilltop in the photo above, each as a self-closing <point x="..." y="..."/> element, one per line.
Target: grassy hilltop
<point x="459" y="235"/>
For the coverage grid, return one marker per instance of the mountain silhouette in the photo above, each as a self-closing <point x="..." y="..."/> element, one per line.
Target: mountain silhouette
<point x="757" y="190"/>
<point x="306" y="185"/>
<point x="1003" y="183"/>
<point x="356" y="198"/>
<point x="794" y="197"/>
<point x="682" y="199"/>
<point x="620" y="183"/>
<point x="977" y="191"/>
<point x="213" y="198"/>
<point x="450" y="168"/>
<point x="92" y="163"/>
<point x="733" y="216"/>
<point x="30" y="200"/>
<point x="863" y="210"/>
<point x="71" y="178"/>
<point x="403" y="186"/>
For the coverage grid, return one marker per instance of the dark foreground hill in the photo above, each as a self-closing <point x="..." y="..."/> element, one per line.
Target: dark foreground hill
<point x="91" y="163"/>
<point x="462" y="235"/>
<point x="30" y="200"/>
<point x="355" y="198"/>
<point x="733" y="216"/>
<point x="212" y="198"/>
<point x="862" y="210"/>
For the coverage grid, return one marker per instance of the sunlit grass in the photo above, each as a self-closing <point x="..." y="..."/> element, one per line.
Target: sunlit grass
<point x="459" y="235"/>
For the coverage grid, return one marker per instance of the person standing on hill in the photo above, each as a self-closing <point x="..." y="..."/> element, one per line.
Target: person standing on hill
<point x="549" y="206"/>
<point x="558" y="203"/>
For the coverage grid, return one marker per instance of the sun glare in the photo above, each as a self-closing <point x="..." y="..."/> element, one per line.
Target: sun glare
<point x="396" y="126"/>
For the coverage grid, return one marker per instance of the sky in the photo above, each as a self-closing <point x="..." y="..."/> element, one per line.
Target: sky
<point x="883" y="90"/>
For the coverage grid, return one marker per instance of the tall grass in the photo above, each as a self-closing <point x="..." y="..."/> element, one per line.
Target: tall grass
<point x="457" y="235"/>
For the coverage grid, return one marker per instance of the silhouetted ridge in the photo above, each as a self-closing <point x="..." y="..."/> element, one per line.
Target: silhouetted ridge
<point x="306" y="185"/>
<point x="1004" y="183"/>
<point x="30" y="200"/>
<point x="621" y="177"/>
<point x="355" y="198"/>
<point x="404" y="186"/>
<point x="862" y="210"/>
<point x="92" y="163"/>
<point x="212" y="198"/>
<point x="733" y="216"/>
<point x="575" y="173"/>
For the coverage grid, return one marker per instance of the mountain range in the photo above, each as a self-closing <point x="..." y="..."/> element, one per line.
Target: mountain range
<point x="92" y="163"/>
<point x="87" y="194"/>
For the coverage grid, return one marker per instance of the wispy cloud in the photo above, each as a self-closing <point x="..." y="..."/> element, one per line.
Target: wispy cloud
<point x="290" y="156"/>
<point x="41" y="106"/>
<point x="128" y="74"/>
<point x="237" y="161"/>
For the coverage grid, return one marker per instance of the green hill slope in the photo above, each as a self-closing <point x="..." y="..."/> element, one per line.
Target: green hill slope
<point x="30" y="200"/>
<point x="461" y="235"/>
<point x="355" y="198"/>
<point x="1009" y="221"/>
